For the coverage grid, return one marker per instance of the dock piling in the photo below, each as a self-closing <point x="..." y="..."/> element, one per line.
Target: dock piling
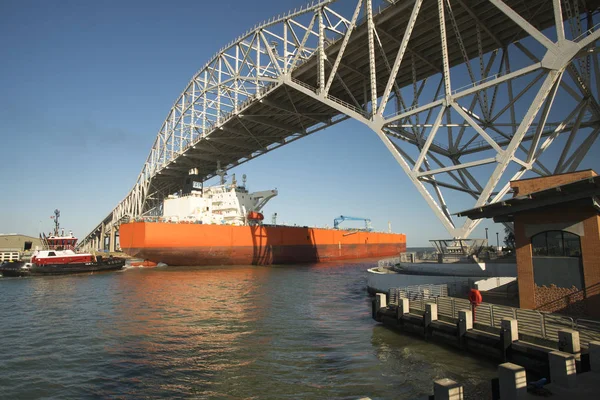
<point x="403" y="308"/>
<point x="594" y="349"/>
<point x="465" y="321"/>
<point x="430" y="314"/>
<point x="379" y="302"/>
<point x="447" y="389"/>
<point x="512" y="381"/>
<point x="568" y="341"/>
<point x="562" y="368"/>
<point x="509" y="333"/>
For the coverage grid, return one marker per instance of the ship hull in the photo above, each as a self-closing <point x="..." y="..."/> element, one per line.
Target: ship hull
<point x="197" y="244"/>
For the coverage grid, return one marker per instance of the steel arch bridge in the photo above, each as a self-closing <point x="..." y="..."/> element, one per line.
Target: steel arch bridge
<point x="465" y="94"/>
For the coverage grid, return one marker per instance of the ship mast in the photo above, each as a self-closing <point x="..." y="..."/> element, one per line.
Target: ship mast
<point x="56" y="225"/>
<point x="222" y="173"/>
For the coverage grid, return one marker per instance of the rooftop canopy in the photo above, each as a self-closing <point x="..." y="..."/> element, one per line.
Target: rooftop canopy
<point x="584" y="191"/>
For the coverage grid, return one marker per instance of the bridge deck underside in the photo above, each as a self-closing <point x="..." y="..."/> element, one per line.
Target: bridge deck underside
<point x="283" y="113"/>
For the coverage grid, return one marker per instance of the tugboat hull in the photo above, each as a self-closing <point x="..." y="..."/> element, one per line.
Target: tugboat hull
<point x="12" y="268"/>
<point x="22" y="269"/>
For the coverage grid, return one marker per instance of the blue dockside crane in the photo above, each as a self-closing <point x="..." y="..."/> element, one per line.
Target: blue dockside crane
<point x="342" y="218"/>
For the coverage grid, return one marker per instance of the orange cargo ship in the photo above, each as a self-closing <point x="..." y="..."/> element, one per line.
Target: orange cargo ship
<point x="198" y="244"/>
<point x="222" y="225"/>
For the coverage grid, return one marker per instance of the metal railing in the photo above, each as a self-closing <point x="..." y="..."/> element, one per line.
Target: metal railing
<point x="349" y="106"/>
<point x="10" y="255"/>
<point x="530" y="322"/>
<point x="588" y="330"/>
<point x="388" y="262"/>
<point x="417" y="292"/>
<point x="587" y="33"/>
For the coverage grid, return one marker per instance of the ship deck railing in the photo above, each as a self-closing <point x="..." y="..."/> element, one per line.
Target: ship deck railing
<point x="57" y="247"/>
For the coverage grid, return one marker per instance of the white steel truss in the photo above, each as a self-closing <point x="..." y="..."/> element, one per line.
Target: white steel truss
<point x="465" y="94"/>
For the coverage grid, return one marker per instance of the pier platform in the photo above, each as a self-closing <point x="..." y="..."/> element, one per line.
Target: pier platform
<point x="567" y="360"/>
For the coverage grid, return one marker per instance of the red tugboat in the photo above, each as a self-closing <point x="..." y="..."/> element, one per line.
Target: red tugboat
<point x="59" y="257"/>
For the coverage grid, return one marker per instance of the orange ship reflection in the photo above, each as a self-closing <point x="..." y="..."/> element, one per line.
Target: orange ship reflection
<point x="195" y="316"/>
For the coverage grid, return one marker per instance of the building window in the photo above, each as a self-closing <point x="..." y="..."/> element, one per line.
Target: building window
<point x="572" y="245"/>
<point x="556" y="244"/>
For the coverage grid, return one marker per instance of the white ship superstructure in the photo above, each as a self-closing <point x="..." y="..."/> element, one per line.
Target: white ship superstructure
<point x="224" y="204"/>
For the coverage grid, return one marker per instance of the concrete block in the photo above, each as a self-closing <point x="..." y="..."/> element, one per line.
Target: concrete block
<point x="447" y="389"/>
<point x="594" y="348"/>
<point x="509" y="333"/>
<point x="568" y="341"/>
<point x="562" y="369"/>
<point x="374" y="309"/>
<point x="403" y="307"/>
<point x="513" y="381"/>
<point x="465" y="321"/>
<point x="510" y="329"/>
<point x="431" y="313"/>
<point x="380" y="301"/>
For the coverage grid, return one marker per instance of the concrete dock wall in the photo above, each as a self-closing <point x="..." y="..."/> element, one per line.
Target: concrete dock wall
<point x="570" y="370"/>
<point x="504" y="343"/>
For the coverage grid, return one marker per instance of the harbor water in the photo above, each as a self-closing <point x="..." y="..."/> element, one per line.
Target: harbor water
<point x="242" y="332"/>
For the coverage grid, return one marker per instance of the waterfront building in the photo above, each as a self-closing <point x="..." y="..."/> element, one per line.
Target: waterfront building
<point x="557" y="238"/>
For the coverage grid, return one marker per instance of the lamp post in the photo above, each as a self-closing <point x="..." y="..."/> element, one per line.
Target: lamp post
<point x="497" y="240"/>
<point x="486" y="235"/>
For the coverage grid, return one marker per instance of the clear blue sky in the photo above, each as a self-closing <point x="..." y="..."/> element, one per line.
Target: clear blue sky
<point x="85" y="86"/>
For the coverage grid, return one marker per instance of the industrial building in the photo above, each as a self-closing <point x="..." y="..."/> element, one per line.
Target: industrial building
<point x="12" y="245"/>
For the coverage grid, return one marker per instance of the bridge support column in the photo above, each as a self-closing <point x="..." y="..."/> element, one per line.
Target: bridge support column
<point x="102" y="237"/>
<point x="111" y="245"/>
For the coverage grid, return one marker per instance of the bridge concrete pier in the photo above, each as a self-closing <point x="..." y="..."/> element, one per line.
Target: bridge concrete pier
<point x="113" y="239"/>
<point x="102" y="237"/>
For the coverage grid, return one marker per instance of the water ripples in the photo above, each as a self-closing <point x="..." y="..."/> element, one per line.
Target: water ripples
<point x="302" y="332"/>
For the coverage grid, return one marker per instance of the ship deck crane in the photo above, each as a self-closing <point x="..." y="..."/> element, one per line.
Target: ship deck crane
<point x="337" y="221"/>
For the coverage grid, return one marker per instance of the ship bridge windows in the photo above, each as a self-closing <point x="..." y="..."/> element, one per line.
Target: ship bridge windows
<point x="51" y="253"/>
